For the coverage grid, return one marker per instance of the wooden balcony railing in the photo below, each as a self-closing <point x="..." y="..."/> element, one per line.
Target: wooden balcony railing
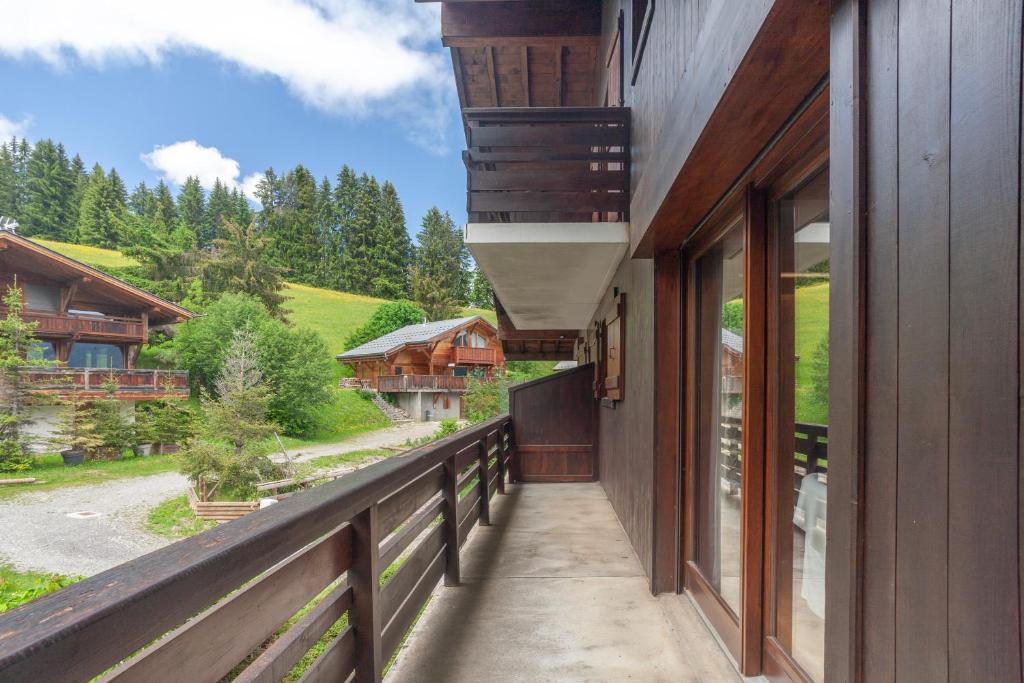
<point x="57" y="324"/>
<point x="400" y="383"/>
<point x="90" y="381"/>
<point x="545" y="164"/>
<point x="810" y="450"/>
<point x="465" y="355"/>
<point x="201" y="608"/>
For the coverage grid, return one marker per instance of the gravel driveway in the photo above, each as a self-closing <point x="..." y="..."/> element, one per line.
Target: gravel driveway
<point x="36" y="532"/>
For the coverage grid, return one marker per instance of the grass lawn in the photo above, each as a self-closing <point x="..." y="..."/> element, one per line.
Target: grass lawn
<point x="174" y="518"/>
<point x="330" y="462"/>
<point x="51" y="472"/>
<point x="90" y="256"/>
<point x="811" y="330"/>
<point x="350" y="414"/>
<point x="17" y="588"/>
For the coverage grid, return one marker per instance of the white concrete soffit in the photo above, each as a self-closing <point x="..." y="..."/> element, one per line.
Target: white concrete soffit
<point x="549" y="276"/>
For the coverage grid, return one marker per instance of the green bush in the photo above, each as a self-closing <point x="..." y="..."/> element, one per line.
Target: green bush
<point x="388" y="317"/>
<point x="448" y="426"/>
<point x="296" y="363"/>
<point x="485" y="398"/>
<point x="13" y="457"/>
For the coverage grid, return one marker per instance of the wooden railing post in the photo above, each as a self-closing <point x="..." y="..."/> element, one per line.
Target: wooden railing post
<point x="485" y="502"/>
<point x="501" y="458"/>
<point x="364" y="577"/>
<point x="451" y="522"/>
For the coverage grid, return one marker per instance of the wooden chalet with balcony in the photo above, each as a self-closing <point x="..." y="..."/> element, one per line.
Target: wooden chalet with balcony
<point x="425" y="366"/>
<point x="831" y="492"/>
<point x="92" y="323"/>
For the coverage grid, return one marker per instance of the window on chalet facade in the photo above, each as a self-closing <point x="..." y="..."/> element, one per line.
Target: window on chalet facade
<point x="470" y="339"/>
<point x="105" y="356"/>
<point x="41" y="297"/>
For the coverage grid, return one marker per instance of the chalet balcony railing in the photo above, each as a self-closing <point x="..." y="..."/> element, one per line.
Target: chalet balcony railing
<point x="810" y="455"/>
<point x="548" y="164"/>
<point x="203" y="607"/>
<point x="400" y="383"/>
<point x="468" y="355"/>
<point x="67" y="325"/>
<point x="91" y="381"/>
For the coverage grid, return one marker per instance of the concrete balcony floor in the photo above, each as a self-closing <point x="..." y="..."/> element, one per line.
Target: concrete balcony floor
<point x="552" y="591"/>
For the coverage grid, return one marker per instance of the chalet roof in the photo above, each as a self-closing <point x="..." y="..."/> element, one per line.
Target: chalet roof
<point x="410" y="334"/>
<point x="34" y="257"/>
<point x="732" y="341"/>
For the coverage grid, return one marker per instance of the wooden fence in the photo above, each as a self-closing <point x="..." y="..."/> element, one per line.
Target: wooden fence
<point x="195" y="610"/>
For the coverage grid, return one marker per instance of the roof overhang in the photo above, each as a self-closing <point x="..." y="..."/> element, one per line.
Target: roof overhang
<point x="549" y="276"/>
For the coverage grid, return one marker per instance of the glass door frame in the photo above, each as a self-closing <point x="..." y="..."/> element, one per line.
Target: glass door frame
<point x="798" y="155"/>
<point x="741" y="633"/>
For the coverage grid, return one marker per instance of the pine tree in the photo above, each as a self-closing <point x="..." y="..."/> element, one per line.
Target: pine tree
<point x="295" y="233"/>
<point x="191" y="214"/>
<point x="392" y="254"/>
<point x="328" y="236"/>
<point x="243" y="213"/>
<point x="47" y="210"/>
<point x="240" y="264"/>
<point x="22" y="151"/>
<point x="8" y="183"/>
<point x="165" y="212"/>
<point x="140" y="200"/>
<point x="480" y="294"/>
<point x="100" y="213"/>
<point x="442" y="259"/>
<point x="359" y="264"/>
<point x="80" y="178"/>
<point x="118" y="192"/>
<point x="220" y="206"/>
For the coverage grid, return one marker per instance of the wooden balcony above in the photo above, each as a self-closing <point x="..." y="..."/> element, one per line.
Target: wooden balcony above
<point x="70" y="325"/>
<point x="403" y="383"/>
<point x="547" y="164"/>
<point x="466" y="355"/>
<point x="133" y="385"/>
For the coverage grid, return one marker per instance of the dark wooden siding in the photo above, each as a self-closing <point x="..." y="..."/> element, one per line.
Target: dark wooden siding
<point x="940" y="499"/>
<point x="554" y="422"/>
<point x="626" y="427"/>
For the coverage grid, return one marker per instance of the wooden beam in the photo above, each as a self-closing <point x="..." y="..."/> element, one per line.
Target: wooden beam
<point x="529" y="18"/>
<point x="578" y="202"/>
<point x="559" y="73"/>
<point x="491" y="78"/>
<point x="585" y="134"/>
<point x="572" y="181"/>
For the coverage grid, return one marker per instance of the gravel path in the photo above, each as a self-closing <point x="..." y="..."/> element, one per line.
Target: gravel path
<point x="36" y="532"/>
<point x="39" y="535"/>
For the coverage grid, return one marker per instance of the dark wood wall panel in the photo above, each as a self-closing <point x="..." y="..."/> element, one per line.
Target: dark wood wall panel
<point x="882" y="322"/>
<point x="626" y="430"/>
<point x="983" y="270"/>
<point x="940" y="508"/>
<point x="923" y="405"/>
<point x="554" y="427"/>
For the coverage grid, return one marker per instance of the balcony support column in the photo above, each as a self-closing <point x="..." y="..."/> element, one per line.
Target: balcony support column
<point x="364" y="577"/>
<point x="485" y="502"/>
<point x="452" y="572"/>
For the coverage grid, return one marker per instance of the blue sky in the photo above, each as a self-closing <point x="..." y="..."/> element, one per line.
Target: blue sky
<point x="237" y="86"/>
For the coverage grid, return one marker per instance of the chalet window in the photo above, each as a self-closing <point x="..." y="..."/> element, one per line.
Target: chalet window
<point x="611" y="366"/>
<point x="42" y="350"/>
<point x="460" y="371"/>
<point x="398" y="371"/>
<point x="41" y="297"/>
<point x="643" y="10"/>
<point x="84" y="355"/>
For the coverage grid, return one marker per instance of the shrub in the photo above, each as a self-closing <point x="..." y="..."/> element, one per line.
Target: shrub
<point x="387" y="318"/>
<point x="112" y="428"/>
<point x="448" y="426"/>
<point x="296" y="363"/>
<point x="485" y="398"/>
<point x="167" y="421"/>
<point x="13" y="457"/>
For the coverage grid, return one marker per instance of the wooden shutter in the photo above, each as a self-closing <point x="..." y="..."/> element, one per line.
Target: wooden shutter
<point x="615" y="351"/>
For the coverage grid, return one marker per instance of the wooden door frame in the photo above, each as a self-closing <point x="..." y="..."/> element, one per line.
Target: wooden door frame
<point x="798" y="151"/>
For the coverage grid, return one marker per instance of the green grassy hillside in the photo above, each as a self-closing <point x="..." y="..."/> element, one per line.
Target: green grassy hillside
<point x="333" y="314"/>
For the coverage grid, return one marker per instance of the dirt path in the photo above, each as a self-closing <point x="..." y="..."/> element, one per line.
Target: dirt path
<point x="37" y="533"/>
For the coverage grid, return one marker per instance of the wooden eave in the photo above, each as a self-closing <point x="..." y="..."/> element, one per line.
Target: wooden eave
<point x="91" y="284"/>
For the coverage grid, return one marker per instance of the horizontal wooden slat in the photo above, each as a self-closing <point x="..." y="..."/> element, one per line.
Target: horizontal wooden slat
<point x="391" y="637"/>
<point x="470" y="501"/>
<point x="548" y="181"/>
<point x="394" y="509"/>
<point x="547" y="114"/>
<point x="548" y="135"/>
<point x="283" y="654"/>
<point x="397" y="589"/>
<point x="548" y="201"/>
<point x="392" y="548"/>
<point x="210" y="645"/>
<point x="99" y="621"/>
<point x="467" y="524"/>
<point x="466" y="456"/>
<point x="558" y="154"/>
<point x="467" y="476"/>
<point x="336" y="662"/>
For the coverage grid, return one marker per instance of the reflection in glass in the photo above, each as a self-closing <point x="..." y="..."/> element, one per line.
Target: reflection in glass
<point x="801" y="453"/>
<point x="720" y="385"/>
<point x="87" y="355"/>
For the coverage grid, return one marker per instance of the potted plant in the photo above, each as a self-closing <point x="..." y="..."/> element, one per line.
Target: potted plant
<point x="75" y="435"/>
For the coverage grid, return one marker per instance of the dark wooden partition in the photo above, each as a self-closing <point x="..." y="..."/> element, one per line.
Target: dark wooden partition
<point x="554" y="438"/>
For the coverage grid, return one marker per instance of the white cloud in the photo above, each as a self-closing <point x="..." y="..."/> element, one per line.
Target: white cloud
<point x="10" y="128"/>
<point x="340" y="56"/>
<point x="188" y="158"/>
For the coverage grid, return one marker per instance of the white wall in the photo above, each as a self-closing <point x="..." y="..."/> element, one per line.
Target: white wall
<point x="417" y="403"/>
